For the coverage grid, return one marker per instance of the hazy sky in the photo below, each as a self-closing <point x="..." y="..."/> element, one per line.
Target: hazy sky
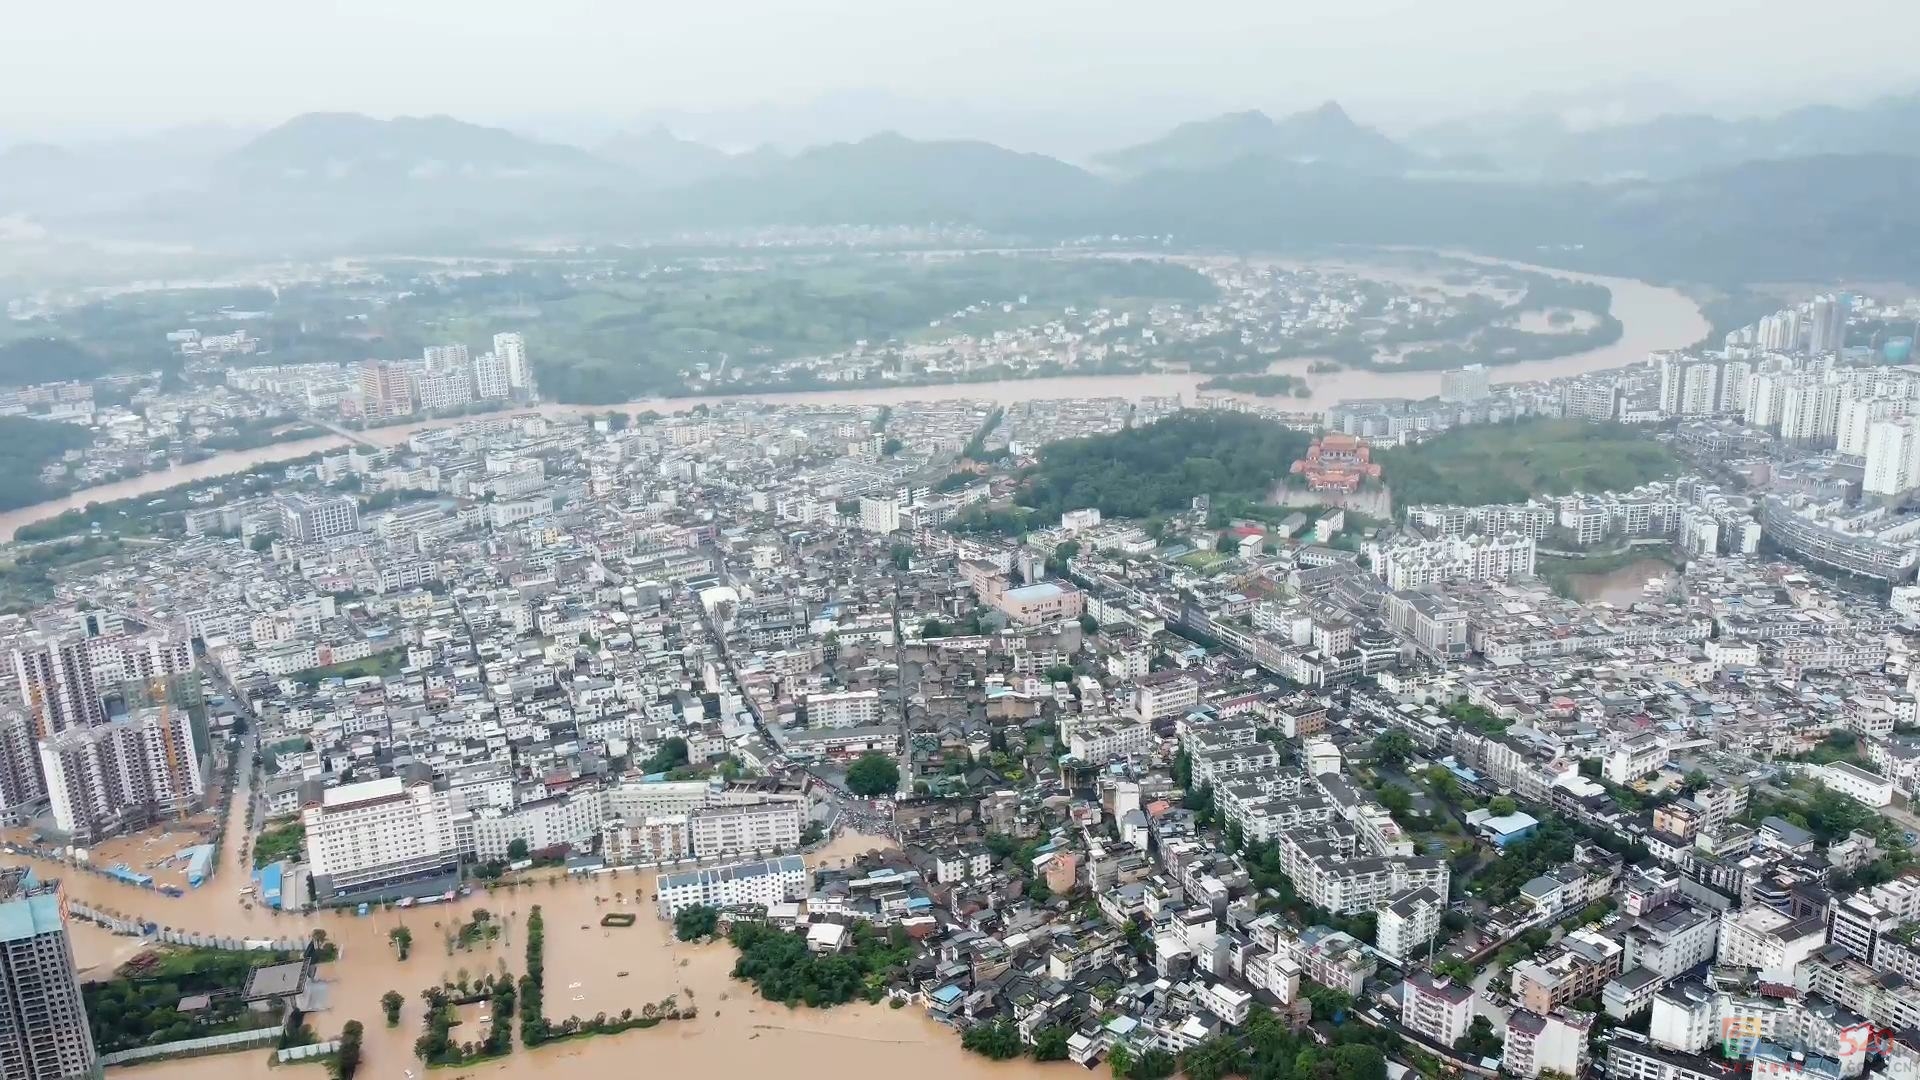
<point x="82" y="67"/>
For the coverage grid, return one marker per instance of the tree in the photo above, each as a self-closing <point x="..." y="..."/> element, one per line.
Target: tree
<point x="1050" y="1044"/>
<point x="517" y="849"/>
<point x="999" y="1040"/>
<point x="695" y="922"/>
<point x="1089" y="624"/>
<point x="1501" y="806"/>
<point x="1479" y="1041"/>
<point x="1214" y="1059"/>
<point x="1393" y="748"/>
<point x="1358" y="1061"/>
<point x="1060" y="673"/>
<point x="390" y="1002"/>
<point x="1154" y="1065"/>
<point x="1396" y="799"/>
<point x="1120" y="1061"/>
<point x="874" y="774"/>
<point x="671" y="755"/>
<point x="902" y="555"/>
<point x="891" y="447"/>
<point x="346" y="1060"/>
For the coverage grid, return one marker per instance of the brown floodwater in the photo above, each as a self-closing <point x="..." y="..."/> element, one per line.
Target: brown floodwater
<point x="1620" y="587"/>
<point x="1652" y="318"/>
<point x="589" y="970"/>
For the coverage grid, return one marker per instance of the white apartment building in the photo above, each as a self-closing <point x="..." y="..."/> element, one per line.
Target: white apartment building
<point x="1771" y="941"/>
<point x="109" y="778"/>
<point x="772" y="825"/>
<point x="512" y="350"/>
<point x="1410" y="563"/>
<point x="1857" y="417"/>
<point x="1631" y="758"/>
<point x="307" y="519"/>
<point x="745" y="884"/>
<point x="571" y="818"/>
<point x="490" y="380"/>
<point x="1537" y="1044"/>
<point x="879" y="515"/>
<point x="1404" y="927"/>
<point x="1165" y="694"/>
<point x="843" y="708"/>
<point x="654" y="840"/>
<point x="378" y="832"/>
<point x="64" y="678"/>
<point x="1466" y="384"/>
<point x="1893" y="457"/>
<point x="1097" y="742"/>
<point x="1436" y="1007"/>
<point x="663" y="798"/>
<point x="1857" y="783"/>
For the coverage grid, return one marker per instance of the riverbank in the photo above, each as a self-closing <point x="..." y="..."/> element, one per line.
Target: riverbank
<point x="1652" y="318"/>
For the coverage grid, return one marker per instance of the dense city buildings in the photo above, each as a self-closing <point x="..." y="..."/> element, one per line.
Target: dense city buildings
<point x="1539" y="760"/>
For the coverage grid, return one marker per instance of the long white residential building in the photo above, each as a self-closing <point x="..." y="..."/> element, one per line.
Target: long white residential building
<point x="755" y="884"/>
<point x="1410" y="562"/>
<point x="771" y="825"/>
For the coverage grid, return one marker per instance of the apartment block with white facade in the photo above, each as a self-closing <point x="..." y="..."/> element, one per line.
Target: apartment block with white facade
<point x="771" y="825"/>
<point x="122" y="775"/>
<point x="1409" y="562"/>
<point x="844" y="708"/>
<point x="745" y="884"/>
<point x="378" y="832"/>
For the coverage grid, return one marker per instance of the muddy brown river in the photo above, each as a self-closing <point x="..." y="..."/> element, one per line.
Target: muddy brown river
<point x="1652" y="317"/>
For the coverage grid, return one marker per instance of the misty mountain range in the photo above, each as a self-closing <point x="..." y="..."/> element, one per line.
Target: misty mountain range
<point x="1818" y="191"/>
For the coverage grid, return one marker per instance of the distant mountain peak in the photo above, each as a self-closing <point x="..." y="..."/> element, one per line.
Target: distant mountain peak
<point x="1330" y="110"/>
<point x="1325" y="134"/>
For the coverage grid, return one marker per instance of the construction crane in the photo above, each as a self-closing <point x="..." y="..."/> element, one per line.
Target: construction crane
<point x="158" y="687"/>
<point x="39" y="708"/>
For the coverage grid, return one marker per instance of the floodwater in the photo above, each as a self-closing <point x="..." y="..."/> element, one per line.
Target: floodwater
<point x="596" y="969"/>
<point x="1619" y="587"/>
<point x="1651" y="317"/>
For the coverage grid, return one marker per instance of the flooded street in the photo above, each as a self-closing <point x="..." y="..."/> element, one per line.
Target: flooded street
<point x="596" y="969"/>
<point x="1652" y="317"/>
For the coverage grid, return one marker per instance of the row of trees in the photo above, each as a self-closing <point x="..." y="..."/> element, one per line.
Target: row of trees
<point x="533" y="985"/>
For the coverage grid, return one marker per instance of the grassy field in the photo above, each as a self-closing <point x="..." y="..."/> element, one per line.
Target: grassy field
<point x="1498" y="463"/>
<point x="616" y="337"/>
<point x="1204" y="561"/>
<point x="382" y="664"/>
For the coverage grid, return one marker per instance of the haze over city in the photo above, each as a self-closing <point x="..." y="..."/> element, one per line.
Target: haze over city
<point x="859" y="541"/>
<point x="1065" y="78"/>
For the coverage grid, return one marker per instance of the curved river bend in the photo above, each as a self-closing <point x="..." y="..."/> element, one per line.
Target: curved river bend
<point x="1652" y="317"/>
